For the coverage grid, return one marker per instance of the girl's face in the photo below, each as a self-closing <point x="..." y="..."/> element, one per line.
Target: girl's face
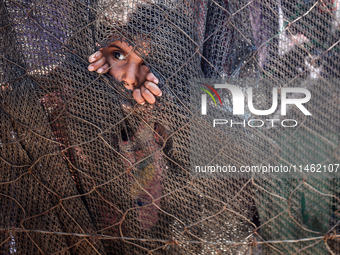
<point x="126" y="65"/>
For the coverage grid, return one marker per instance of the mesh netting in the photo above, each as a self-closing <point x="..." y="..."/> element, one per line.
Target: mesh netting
<point x="87" y="170"/>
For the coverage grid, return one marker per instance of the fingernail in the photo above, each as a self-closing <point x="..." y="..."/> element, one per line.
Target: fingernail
<point x="91" y="68"/>
<point x="92" y="57"/>
<point x="155" y="80"/>
<point x="100" y="70"/>
<point x="160" y="94"/>
<point x="142" y="103"/>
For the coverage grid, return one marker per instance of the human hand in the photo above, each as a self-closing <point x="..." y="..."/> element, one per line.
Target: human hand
<point x="148" y="90"/>
<point x="144" y="92"/>
<point x="98" y="62"/>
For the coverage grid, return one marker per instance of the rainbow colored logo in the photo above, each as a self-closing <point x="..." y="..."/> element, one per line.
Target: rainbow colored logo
<point x="209" y="93"/>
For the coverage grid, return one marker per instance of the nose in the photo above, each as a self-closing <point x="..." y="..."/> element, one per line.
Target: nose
<point x="130" y="76"/>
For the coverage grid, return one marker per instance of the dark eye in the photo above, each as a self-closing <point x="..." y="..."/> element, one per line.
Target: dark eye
<point x="118" y="55"/>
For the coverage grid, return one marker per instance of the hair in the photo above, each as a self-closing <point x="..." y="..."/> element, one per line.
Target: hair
<point x="135" y="27"/>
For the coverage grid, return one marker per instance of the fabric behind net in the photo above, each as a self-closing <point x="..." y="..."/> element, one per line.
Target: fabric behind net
<point x="85" y="170"/>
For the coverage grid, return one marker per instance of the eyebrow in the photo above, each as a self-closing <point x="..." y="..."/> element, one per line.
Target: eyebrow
<point x="122" y="41"/>
<point x="115" y="46"/>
